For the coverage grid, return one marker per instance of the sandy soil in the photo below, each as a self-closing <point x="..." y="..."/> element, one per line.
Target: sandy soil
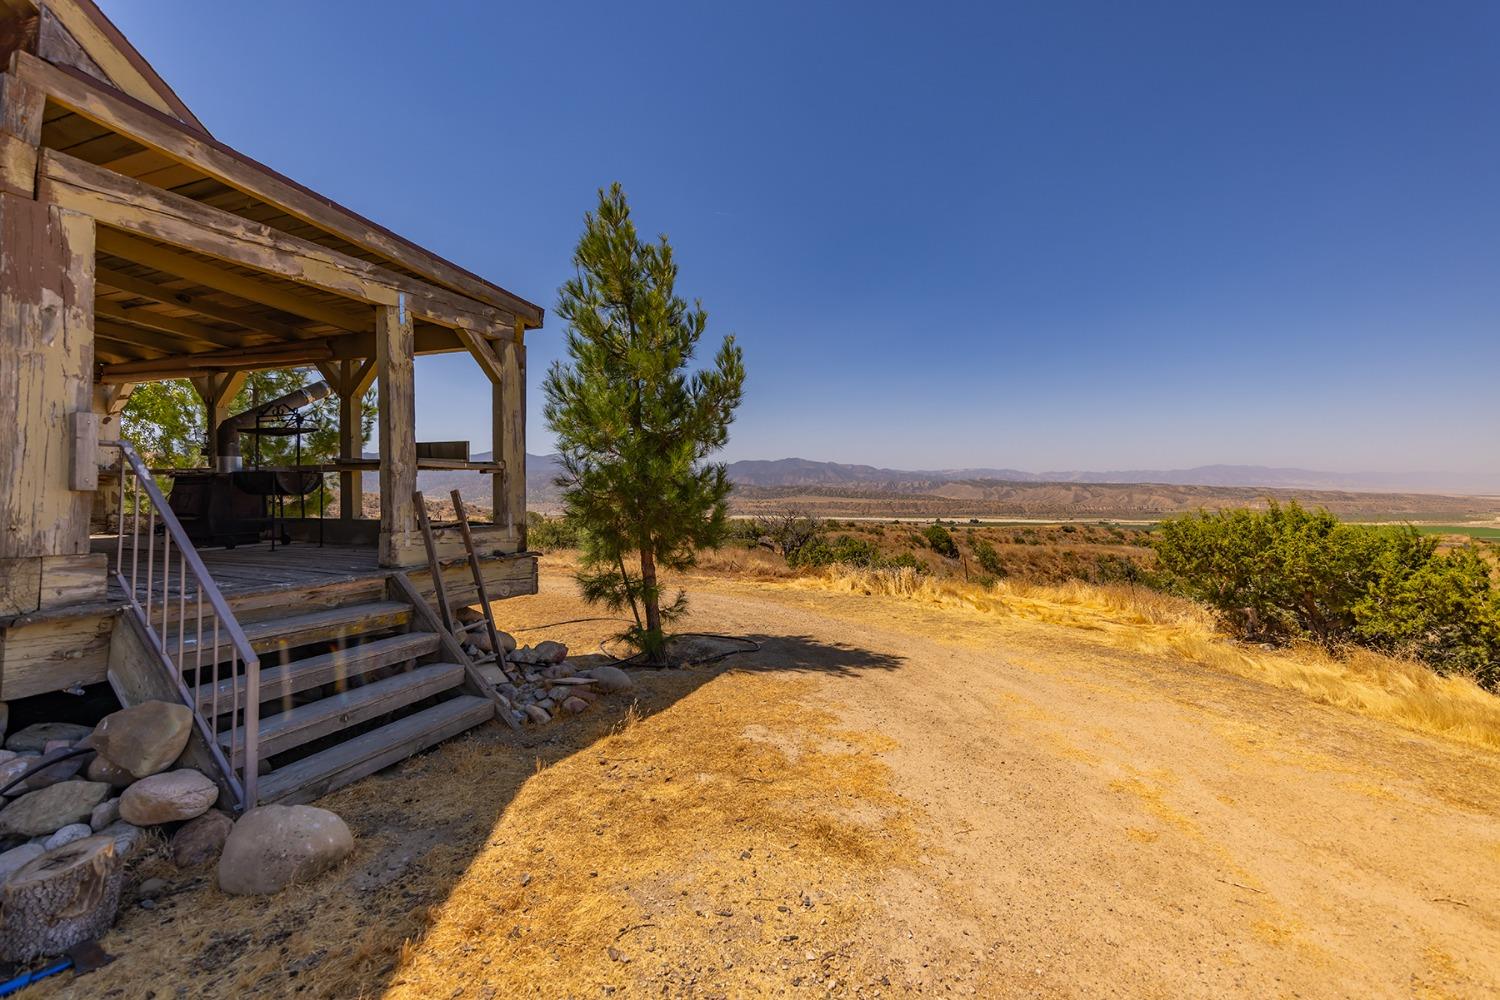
<point x="885" y="800"/>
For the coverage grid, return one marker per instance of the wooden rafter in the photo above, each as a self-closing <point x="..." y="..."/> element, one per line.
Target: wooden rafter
<point x="119" y="280"/>
<point x="159" y="132"/>
<point x="176" y="325"/>
<point x="211" y="275"/>
<point x="428" y="340"/>
<point x="125" y="203"/>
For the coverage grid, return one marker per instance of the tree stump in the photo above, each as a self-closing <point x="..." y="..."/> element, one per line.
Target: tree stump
<point x="66" y="896"/>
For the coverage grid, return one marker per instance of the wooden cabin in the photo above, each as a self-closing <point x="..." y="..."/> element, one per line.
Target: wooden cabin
<point x="136" y="247"/>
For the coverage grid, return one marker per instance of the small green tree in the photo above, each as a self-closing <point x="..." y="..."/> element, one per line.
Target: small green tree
<point x="988" y="559"/>
<point x="634" y="426"/>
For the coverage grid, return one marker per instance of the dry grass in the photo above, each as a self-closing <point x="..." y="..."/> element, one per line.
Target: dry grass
<point x="742" y="781"/>
<point x="512" y="868"/>
<point x="1383" y="687"/>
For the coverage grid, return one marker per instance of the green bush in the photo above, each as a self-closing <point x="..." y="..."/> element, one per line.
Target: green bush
<point x="1289" y="573"/>
<point x="842" y="549"/>
<point x="987" y="558"/>
<point x="941" y="541"/>
<point x="547" y="534"/>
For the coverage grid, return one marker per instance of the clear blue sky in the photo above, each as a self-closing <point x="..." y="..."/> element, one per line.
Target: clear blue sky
<point x="1047" y="236"/>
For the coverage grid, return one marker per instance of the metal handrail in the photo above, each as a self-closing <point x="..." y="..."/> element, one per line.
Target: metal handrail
<point x="241" y="766"/>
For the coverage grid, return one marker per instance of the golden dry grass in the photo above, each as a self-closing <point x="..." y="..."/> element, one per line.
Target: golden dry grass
<point x="1382" y="687"/>
<point x="690" y="834"/>
<point x="511" y="868"/>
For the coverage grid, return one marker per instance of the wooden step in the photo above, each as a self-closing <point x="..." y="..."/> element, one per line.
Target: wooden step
<point x="287" y="679"/>
<point x="322" y="772"/>
<point x="326" y="716"/>
<point x="298" y="630"/>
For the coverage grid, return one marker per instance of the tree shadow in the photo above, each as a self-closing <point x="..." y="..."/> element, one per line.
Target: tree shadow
<point x="419" y="827"/>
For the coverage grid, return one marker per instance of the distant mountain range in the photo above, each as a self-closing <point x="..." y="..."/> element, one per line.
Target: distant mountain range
<point x="795" y="472"/>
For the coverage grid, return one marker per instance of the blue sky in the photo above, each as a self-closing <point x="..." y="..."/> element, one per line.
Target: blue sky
<point x="1045" y="236"/>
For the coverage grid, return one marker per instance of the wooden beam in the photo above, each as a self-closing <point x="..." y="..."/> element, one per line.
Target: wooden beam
<point x="126" y="203"/>
<point x="429" y="340"/>
<point x="194" y="333"/>
<point x="508" y="414"/>
<point x="202" y="272"/>
<point x="217" y="390"/>
<point x="114" y="56"/>
<point x="170" y="138"/>
<point x="351" y="379"/>
<point x="21" y="110"/>
<point x="398" y="442"/>
<point x="166" y="343"/>
<point x="120" y="281"/>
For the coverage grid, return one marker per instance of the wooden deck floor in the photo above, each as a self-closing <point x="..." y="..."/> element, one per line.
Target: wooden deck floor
<point x="248" y="568"/>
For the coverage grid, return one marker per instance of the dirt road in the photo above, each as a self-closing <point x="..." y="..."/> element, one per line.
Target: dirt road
<point x="887" y="800"/>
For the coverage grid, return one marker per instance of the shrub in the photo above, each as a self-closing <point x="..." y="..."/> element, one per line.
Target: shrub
<point x="1288" y="573"/>
<point x="904" y="561"/>
<point x="547" y="534"/>
<point x="941" y="541"/>
<point x="842" y="549"/>
<point x="987" y="558"/>
<point x="1445" y="612"/>
<point x="787" y="533"/>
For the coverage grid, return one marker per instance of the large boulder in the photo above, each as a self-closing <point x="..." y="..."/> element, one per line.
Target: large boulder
<point x="39" y="813"/>
<point x="34" y="739"/>
<point x="144" y="739"/>
<point x="611" y="679"/>
<point x="273" y="847"/>
<point x="201" y="840"/>
<point x="168" y="797"/>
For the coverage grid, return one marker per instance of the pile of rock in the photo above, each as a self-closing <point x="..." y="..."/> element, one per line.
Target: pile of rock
<point x="66" y="836"/>
<point x="549" y="684"/>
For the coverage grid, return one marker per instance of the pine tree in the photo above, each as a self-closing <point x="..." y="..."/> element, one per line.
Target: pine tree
<point x="634" y="425"/>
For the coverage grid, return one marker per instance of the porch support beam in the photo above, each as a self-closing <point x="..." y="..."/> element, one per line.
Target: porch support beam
<point x="351" y="378"/>
<point x="399" y="544"/>
<point x="508" y="425"/>
<point x="217" y="390"/>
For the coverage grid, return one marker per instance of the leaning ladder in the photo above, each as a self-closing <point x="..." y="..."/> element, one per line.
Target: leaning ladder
<point x="459" y="631"/>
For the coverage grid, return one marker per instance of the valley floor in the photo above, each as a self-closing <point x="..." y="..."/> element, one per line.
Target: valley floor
<point x="886" y="799"/>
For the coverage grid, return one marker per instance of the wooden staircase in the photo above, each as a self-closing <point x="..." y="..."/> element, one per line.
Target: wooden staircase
<point x="353" y="677"/>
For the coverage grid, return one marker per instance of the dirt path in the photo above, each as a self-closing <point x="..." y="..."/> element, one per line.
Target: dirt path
<point x="1106" y="823"/>
<point x="885" y="800"/>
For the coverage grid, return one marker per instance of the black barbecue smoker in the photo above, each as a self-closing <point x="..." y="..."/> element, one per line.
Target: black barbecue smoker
<point x="231" y="505"/>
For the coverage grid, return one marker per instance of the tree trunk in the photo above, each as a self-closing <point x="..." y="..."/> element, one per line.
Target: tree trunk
<point x="652" y="599"/>
<point x="66" y="896"/>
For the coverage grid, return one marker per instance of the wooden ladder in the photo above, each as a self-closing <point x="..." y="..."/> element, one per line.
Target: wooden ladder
<point x="496" y="654"/>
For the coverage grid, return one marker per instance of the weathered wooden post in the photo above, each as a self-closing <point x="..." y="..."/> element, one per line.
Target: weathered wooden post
<point x="399" y="542"/>
<point x="508" y="424"/>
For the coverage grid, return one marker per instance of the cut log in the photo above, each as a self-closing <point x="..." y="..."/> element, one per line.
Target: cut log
<point x="63" y="898"/>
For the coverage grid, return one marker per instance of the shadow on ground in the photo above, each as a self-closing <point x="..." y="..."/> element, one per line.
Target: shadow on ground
<point x="419" y="825"/>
